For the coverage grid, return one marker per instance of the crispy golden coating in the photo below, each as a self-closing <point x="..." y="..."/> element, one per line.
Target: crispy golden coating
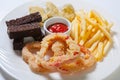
<point x="68" y="12"/>
<point x="67" y="56"/>
<point x="51" y="9"/>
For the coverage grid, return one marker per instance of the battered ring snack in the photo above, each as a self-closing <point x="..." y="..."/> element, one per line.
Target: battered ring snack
<point x="54" y="62"/>
<point x="29" y="56"/>
<point x="68" y="56"/>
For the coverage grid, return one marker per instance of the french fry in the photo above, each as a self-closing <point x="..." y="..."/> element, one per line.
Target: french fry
<point x="99" y="55"/>
<point x="76" y="34"/>
<point x="94" y="45"/>
<point x="105" y="32"/>
<point x="89" y="14"/>
<point x="79" y="32"/>
<point x="105" y="42"/>
<point x="83" y="25"/>
<point x="72" y="34"/>
<point x="92" y="31"/>
<point x="107" y="47"/>
<point x="109" y="27"/>
<point x="103" y="29"/>
<point x="98" y="17"/>
<point x="85" y="38"/>
<point x="101" y="20"/>
<point x="94" y="20"/>
<point x="93" y="39"/>
<point x="83" y="22"/>
<point x="90" y="21"/>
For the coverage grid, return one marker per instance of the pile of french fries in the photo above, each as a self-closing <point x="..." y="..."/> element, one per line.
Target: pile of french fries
<point x="93" y="31"/>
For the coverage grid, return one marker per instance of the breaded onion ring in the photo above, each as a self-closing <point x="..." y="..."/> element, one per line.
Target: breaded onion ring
<point x="29" y="56"/>
<point x="55" y="61"/>
<point x="72" y="53"/>
<point x="67" y="55"/>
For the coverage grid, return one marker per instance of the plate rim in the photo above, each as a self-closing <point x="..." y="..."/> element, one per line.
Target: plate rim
<point x="2" y="66"/>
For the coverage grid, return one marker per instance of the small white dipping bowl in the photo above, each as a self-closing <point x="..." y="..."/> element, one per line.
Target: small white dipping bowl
<point x="54" y="20"/>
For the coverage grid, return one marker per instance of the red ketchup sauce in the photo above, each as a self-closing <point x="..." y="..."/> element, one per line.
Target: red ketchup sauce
<point x="58" y="27"/>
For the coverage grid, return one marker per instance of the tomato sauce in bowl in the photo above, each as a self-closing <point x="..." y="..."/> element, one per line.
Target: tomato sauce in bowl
<point x="57" y="27"/>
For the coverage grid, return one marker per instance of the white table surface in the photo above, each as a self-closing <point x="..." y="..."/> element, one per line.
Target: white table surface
<point x="112" y="6"/>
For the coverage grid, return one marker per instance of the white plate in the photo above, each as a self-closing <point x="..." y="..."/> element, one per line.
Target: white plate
<point x="13" y="64"/>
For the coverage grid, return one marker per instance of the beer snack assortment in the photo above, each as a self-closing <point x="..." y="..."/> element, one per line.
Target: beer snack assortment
<point x="72" y="42"/>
